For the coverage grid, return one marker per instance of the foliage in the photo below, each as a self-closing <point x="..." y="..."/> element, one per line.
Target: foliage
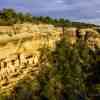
<point x="67" y="73"/>
<point x="10" y="17"/>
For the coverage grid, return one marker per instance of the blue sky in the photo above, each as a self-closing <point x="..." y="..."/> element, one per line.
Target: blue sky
<point x="81" y="10"/>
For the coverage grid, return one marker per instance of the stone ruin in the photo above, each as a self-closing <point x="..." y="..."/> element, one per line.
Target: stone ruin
<point x="15" y="67"/>
<point x="91" y="36"/>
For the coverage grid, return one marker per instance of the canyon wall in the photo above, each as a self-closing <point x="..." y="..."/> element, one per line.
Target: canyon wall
<point x="19" y="46"/>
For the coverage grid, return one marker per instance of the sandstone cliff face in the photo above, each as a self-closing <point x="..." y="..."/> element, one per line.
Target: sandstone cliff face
<point x="27" y="37"/>
<point x="19" y="48"/>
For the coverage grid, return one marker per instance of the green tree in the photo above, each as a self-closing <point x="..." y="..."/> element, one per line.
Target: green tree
<point x="65" y="72"/>
<point x="8" y="15"/>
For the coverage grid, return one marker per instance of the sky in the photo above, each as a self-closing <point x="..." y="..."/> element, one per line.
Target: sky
<point x="78" y="10"/>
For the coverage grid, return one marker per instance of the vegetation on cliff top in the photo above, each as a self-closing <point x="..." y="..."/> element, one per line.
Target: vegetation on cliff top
<point x="10" y="17"/>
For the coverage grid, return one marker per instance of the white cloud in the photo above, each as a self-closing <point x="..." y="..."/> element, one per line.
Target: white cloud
<point x="59" y="1"/>
<point x="92" y="20"/>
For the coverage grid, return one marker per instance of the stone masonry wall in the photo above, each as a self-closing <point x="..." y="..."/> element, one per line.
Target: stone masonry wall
<point x="15" y="67"/>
